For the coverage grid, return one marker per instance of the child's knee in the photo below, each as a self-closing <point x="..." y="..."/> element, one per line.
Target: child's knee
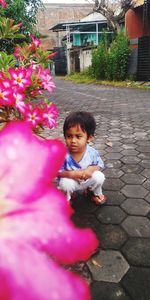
<point x="98" y="177"/>
<point x="66" y="185"/>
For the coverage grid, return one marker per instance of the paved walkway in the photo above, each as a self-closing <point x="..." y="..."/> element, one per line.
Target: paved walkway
<point x="121" y="268"/>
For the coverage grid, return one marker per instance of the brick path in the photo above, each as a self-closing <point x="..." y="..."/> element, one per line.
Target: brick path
<point x="121" y="268"/>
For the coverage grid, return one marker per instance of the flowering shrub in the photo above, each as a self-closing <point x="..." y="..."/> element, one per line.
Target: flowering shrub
<point x="21" y="85"/>
<point x="37" y="235"/>
<point x="35" y="221"/>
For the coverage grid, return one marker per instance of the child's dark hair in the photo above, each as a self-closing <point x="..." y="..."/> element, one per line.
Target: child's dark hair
<point x="82" y="118"/>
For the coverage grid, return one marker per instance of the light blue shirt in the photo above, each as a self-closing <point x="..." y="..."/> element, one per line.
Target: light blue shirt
<point x="91" y="157"/>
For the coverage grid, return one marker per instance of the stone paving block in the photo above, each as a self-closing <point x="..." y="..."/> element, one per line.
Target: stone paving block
<point x="133" y="178"/>
<point x="137" y="226"/>
<point x="148" y="198"/>
<point x="111" y="236"/>
<point x="127" y="140"/>
<point x="113" y="164"/>
<point x="130" y="159"/>
<point x="144" y="155"/>
<point x="113" y="149"/>
<point x="146" y="173"/>
<point x="143" y="144"/>
<point x="114" y="198"/>
<point x="86" y="221"/>
<point x="108" y="291"/>
<point x="134" y="191"/>
<point x="113" y="155"/>
<point x="144" y="149"/>
<point x="83" y="204"/>
<point x="113" y="184"/>
<point x="113" y="173"/>
<point x="136" y="207"/>
<point x="129" y="152"/>
<point x="147" y="184"/>
<point x="110" y="215"/>
<point x="108" y="266"/>
<point x="128" y="136"/>
<point x="137" y="283"/>
<point x="145" y="163"/>
<point x="137" y="251"/>
<point x="132" y="169"/>
<point x="129" y="146"/>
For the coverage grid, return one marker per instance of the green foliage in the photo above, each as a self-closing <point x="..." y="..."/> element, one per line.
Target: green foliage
<point x="23" y="11"/>
<point x="8" y="30"/>
<point x="99" y="61"/>
<point x="6" y="61"/>
<point x="9" y="33"/>
<point x="119" y="54"/>
<point x="111" y="62"/>
<point x="100" y="58"/>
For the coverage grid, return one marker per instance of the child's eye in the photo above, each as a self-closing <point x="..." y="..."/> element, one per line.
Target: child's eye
<point x="79" y="136"/>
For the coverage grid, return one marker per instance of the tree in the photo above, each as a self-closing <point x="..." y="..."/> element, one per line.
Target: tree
<point x="23" y="11"/>
<point x="113" y="10"/>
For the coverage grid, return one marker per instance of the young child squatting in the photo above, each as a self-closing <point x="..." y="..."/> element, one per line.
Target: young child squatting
<point x="82" y="168"/>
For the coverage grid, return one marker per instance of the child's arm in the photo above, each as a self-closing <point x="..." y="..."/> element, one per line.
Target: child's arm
<point x="73" y="174"/>
<point x="87" y="173"/>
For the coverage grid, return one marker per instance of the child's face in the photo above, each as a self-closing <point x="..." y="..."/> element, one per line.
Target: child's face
<point x="76" y="139"/>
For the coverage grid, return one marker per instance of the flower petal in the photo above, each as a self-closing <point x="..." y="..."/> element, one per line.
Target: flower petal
<point x="27" y="274"/>
<point x="46" y="225"/>
<point x="29" y="161"/>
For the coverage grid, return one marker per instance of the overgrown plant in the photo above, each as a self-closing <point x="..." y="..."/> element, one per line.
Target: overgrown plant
<point x="24" y="77"/>
<point x="100" y="58"/>
<point x="110" y="61"/>
<point x="118" y="58"/>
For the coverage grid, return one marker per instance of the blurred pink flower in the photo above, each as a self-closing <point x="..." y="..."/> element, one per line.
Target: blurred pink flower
<point x="3" y="3"/>
<point x="35" y="42"/>
<point x="47" y="80"/>
<point x="35" y="219"/>
<point x="6" y="98"/>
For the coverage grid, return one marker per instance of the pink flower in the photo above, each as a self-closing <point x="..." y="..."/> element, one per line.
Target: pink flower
<point x="35" y="42"/>
<point x="20" y="77"/>
<point x="32" y="115"/>
<point x="52" y="55"/>
<point x="35" y="219"/>
<point x="50" y="115"/>
<point x="19" y="101"/>
<point x="6" y="97"/>
<point x="3" y="3"/>
<point x="47" y="81"/>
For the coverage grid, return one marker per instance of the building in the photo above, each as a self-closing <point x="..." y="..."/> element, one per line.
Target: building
<point x="137" y="24"/>
<point x="80" y="38"/>
<point x="54" y="13"/>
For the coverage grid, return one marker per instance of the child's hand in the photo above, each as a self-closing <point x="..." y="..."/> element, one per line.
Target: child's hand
<point x="87" y="173"/>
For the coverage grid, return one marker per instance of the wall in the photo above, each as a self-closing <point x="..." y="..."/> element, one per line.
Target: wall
<point x="55" y="13"/>
<point x="134" y="23"/>
<point x="85" y="58"/>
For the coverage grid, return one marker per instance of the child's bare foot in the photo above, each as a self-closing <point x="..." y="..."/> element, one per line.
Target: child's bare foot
<point x="99" y="200"/>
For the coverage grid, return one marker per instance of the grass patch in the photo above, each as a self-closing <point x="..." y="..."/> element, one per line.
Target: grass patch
<point x="80" y="78"/>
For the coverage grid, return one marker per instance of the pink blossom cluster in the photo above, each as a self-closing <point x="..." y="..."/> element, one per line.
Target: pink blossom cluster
<point x="19" y="85"/>
<point x="37" y="236"/>
<point x="33" y="52"/>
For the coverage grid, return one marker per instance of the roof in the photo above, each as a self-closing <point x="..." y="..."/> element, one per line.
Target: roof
<point x="76" y="25"/>
<point x="94" y="16"/>
<point x="136" y="3"/>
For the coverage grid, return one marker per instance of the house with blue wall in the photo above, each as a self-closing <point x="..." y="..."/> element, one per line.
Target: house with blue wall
<point x="80" y="38"/>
